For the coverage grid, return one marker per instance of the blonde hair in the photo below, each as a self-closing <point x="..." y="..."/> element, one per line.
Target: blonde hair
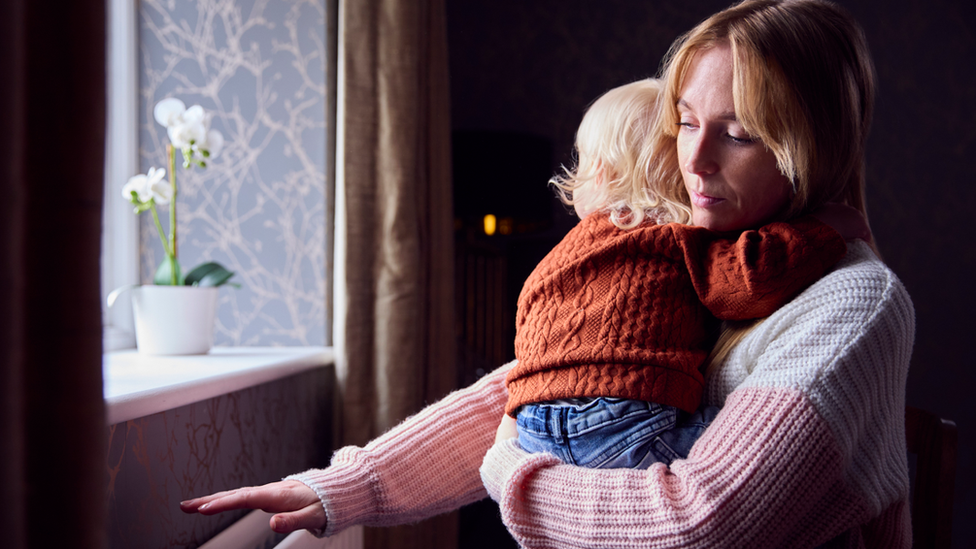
<point x="803" y="83"/>
<point x="611" y="142"/>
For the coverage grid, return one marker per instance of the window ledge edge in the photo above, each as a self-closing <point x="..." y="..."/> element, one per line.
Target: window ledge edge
<point x="137" y="385"/>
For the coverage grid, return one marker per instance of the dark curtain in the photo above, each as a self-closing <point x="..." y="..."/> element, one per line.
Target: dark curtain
<point x="394" y="232"/>
<point x="52" y="96"/>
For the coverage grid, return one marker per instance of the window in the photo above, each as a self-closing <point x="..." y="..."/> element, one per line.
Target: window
<point x="263" y="207"/>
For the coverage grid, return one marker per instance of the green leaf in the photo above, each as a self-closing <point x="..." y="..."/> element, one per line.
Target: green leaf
<point x="208" y="274"/>
<point x="164" y="274"/>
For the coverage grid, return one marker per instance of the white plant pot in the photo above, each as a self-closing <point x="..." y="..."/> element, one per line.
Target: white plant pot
<point x="174" y="320"/>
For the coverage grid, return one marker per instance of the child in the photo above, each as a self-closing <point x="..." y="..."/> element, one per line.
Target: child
<point x="615" y="322"/>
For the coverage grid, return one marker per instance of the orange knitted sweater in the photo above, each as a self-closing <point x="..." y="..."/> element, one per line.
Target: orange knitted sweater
<point x="631" y="314"/>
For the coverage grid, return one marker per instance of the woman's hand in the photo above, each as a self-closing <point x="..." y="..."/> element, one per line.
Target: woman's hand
<point x="296" y="505"/>
<point x="506" y="429"/>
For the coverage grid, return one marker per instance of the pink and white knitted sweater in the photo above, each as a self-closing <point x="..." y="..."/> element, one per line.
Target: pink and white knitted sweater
<point x="809" y="447"/>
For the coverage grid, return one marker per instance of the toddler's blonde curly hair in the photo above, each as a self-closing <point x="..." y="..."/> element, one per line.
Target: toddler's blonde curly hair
<point x="612" y="152"/>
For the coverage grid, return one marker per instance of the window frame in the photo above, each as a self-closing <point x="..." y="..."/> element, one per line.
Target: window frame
<point x="120" y="228"/>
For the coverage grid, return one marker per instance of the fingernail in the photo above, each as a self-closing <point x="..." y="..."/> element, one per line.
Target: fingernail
<point x="204" y="506"/>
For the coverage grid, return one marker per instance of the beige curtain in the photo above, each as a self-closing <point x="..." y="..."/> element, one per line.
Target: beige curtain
<point x="394" y="281"/>
<point x="52" y="424"/>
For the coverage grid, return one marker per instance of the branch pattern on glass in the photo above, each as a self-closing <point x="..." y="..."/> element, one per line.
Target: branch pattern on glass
<point x="260" y="208"/>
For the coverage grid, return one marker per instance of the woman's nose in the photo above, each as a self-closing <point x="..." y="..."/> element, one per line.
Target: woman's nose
<point x="701" y="155"/>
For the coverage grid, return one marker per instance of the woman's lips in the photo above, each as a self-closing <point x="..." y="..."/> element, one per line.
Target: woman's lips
<point x="703" y="200"/>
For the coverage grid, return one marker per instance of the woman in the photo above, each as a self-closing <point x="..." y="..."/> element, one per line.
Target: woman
<point x="767" y="109"/>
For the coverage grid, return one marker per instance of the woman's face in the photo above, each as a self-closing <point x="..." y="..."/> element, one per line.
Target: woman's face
<point x="731" y="178"/>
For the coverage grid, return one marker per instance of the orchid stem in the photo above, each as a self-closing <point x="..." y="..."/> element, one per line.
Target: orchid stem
<point x="171" y="151"/>
<point x="159" y="228"/>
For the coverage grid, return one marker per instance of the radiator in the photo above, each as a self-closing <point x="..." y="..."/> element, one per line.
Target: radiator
<point x="253" y="532"/>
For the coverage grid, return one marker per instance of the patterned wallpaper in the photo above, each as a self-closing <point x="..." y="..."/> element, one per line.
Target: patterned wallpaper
<point x="245" y="438"/>
<point x="260" y="207"/>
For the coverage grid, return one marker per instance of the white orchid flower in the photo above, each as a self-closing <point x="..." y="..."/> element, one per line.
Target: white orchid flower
<point x="185" y="134"/>
<point x="189" y="130"/>
<point x="160" y="189"/>
<point x="195" y="115"/>
<point x="215" y="143"/>
<point x="138" y="184"/>
<point x="145" y="187"/>
<point x="168" y="111"/>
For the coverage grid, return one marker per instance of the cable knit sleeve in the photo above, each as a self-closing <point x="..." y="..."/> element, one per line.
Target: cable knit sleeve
<point x="425" y="466"/>
<point x="808" y="448"/>
<point x="755" y="274"/>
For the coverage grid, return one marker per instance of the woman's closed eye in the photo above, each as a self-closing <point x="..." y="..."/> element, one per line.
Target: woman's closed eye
<point x="741" y="140"/>
<point x="686" y="126"/>
<point x="747" y="140"/>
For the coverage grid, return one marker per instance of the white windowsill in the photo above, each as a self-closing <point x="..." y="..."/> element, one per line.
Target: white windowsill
<point x="137" y="385"/>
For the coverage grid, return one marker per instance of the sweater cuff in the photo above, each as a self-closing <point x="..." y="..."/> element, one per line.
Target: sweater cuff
<point x="305" y="478"/>
<point x="507" y="465"/>
<point x="345" y="491"/>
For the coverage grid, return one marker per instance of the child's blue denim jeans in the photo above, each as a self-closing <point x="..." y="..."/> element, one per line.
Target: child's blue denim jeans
<point x="608" y="433"/>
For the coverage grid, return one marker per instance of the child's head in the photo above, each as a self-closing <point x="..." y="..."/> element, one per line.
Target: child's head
<point x="611" y="172"/>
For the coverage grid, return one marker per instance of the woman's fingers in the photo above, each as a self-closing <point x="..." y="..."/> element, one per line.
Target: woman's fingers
<point x="309" y="518"/>
<point x="192" y="505"/>
<point x="296" y="504"/>
<point x="277" y="497"/>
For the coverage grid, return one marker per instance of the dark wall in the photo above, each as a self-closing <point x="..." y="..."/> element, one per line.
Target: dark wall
<point x="534" y="67"/>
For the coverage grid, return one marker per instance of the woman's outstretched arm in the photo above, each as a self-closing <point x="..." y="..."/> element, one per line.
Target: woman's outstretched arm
<point x="425" y="466"/>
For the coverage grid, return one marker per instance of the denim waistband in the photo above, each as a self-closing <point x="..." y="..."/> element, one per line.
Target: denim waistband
<point x="575" y="419"/>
